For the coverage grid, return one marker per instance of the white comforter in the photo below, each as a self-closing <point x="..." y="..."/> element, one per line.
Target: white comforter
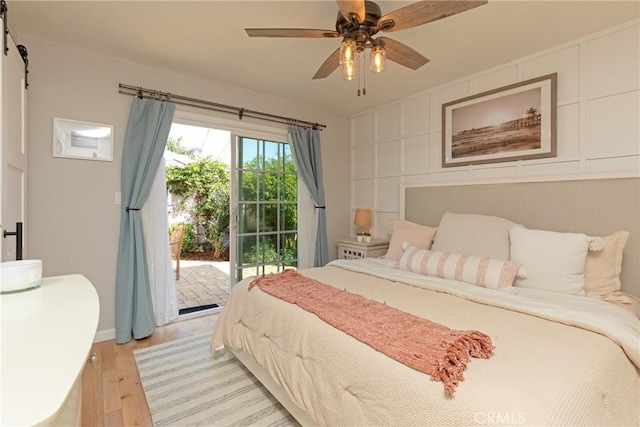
<point x="559" y="360"/>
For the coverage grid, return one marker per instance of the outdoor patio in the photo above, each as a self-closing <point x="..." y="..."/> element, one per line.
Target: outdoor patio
<point x="202" y="283"/>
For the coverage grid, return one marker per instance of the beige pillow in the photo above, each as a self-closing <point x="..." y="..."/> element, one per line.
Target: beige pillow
<point x="416" y="235"/>
<point x="602" y="271"/>
<point x="473" y="234"/>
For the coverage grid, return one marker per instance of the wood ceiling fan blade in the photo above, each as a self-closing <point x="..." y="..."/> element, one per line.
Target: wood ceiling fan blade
<point x="402" y="54"/>
<point x="348" y="8"/>
<point x="422" y="12"/>
<point x="329" y="65"/>
<point x="291" y="32"/>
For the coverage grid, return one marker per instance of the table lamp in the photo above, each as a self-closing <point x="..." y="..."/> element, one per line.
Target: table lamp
<point x="363" y="220"/>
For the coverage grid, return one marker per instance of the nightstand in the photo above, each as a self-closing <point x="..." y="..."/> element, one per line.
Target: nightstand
<point x="350" y="248"/>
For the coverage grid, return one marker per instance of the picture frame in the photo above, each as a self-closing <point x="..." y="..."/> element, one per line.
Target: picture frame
<point x="513" y="122"/>
<point x="74" y="139"/>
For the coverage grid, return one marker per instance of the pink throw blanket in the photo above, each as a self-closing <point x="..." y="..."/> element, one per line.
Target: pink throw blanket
<point x="421" y="344"/>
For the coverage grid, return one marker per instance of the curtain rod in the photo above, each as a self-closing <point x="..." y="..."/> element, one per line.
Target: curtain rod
<point x="141" y="92"/>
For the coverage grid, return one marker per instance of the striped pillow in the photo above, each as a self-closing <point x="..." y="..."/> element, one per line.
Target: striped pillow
<point x="480" y="271"/>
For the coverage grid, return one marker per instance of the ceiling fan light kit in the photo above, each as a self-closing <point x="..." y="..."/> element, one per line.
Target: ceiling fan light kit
<point x="378" y="57"/>
<point x="348" y="50"/>
<point x="359" y="20"/>
<point x="349" y="70"/>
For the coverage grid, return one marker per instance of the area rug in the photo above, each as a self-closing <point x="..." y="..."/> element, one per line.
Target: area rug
<point x="184" y="385"/>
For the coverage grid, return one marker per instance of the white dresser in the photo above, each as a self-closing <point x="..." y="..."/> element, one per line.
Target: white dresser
<point x="47" y="335"/>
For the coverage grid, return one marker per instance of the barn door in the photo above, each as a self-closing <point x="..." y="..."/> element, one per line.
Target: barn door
<point x="13" y="155"/>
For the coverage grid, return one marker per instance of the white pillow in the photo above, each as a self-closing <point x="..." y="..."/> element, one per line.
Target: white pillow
<point x="554" y="261"/>
<point x="485" y="272"/>
<point x="471" y="234"/>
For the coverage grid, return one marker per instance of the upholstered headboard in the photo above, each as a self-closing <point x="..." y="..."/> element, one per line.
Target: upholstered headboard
<point x="594" y="207"/>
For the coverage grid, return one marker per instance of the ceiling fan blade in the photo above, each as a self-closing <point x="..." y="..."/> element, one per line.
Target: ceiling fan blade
<point x="402" y="54"/>
<point x="348" y="8"/>
<point x="423" y="12"/>
<point x="329" y="65"/>
<point x="290" y="32"/>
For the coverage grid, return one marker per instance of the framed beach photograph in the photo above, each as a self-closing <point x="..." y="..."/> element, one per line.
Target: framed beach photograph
<point x="82" y="140"/>
<point x="514" y="122"/>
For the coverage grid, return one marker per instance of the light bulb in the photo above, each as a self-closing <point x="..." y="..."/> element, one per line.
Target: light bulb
<point x="347" y="50"/>
<point x="349" y="70"/>
<point x="378" y="59"/>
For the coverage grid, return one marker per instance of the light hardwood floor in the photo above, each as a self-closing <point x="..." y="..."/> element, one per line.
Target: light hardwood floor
<point x="111" y="391"/>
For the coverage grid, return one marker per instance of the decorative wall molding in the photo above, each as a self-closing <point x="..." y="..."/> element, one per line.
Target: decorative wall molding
<point x="399" y="144"/>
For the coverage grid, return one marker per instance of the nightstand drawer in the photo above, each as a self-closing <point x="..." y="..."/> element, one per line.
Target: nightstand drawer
<point x="352" y="249"/>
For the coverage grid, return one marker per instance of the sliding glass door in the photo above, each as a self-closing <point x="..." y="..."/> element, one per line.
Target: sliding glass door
<point x="266" y="208"/>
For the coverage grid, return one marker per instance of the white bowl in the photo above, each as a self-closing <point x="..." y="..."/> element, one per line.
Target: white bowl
<point x="20" y="275"/>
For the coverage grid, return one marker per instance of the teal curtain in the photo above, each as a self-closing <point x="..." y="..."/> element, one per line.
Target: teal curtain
<point x="144" y="142"/>
<point x="305" y="149"/>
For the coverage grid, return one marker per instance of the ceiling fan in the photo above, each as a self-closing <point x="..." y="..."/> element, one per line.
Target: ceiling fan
<point x="359" y="20"/>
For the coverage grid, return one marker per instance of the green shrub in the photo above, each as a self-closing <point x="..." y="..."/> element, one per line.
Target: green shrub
<point x="206" y="184"/>
<point x="189" y="238"/>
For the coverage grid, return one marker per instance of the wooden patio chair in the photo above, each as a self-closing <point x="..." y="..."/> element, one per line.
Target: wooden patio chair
<point x="175" y="243"/>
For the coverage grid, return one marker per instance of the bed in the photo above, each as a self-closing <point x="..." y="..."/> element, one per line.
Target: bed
<point x="560" y="357"/>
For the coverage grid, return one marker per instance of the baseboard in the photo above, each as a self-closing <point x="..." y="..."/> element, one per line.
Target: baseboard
<point x="109" y="334"/>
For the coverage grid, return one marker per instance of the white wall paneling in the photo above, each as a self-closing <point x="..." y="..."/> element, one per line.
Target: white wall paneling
<point x="494" y="79"/>
<point x="613" y="125"/>
<point x="551" y="168"/>
<point x="494" y="172"/>
<point x="364" y="162"/>
<point x="613" y="61"/>
<point x="436" y="150"/>
<point x="363" y="129"/>
<point x="388" y="123"/>
<point x="416" y="115"/>
<point x="568" y="135"/>
<point x="446" y="175"/>
<point x="614" y="164"/>
<point x="387" y="160"/>
<point x="565" y="62"/>
<point x="444" y="95"/>
<point x="416" y="154"/>
<point x="410" y="180"/>
<point x="381" y="227"/>
<point x="598" y="136"/>
<point x="363" y="191"/>
<point x="387" y="198"/>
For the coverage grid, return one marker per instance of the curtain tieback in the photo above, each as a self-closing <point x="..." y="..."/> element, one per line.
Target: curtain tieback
<point x="132" y="209"/>
<point x="319" y="207"/>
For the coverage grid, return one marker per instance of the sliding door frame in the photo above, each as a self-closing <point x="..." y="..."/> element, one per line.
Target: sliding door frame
<point x="236" y="128"/>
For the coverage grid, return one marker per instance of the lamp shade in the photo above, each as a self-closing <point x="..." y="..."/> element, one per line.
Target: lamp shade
<point x="363" y="217"/>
